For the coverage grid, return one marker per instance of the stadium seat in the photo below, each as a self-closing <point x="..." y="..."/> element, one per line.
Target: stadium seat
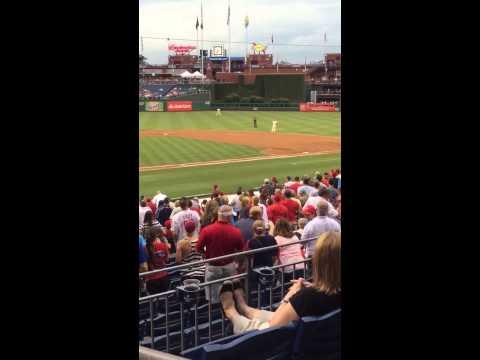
<point x="272" y="343"/>
<point x="318" y="337"/>
<point x="189" y="336"/>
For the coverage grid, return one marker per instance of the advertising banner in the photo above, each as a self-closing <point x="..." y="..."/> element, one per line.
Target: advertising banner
<point x="154" y="106"/>
<point x="179" y="106"/>
<point x="307" y="107"/>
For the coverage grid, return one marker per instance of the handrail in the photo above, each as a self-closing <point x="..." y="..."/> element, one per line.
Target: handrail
<point x="223" y="257"/>
<point x="204" y="284"/>
<point x="204" y="195"/>
<point x="145" y="353"/>
<point x="232" y="277"/>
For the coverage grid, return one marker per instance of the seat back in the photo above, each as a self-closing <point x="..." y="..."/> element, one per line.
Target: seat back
<point x="318" y="337"/>
<point x="272" y="343"/>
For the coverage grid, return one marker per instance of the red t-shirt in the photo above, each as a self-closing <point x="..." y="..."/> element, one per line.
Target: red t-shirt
<point x="277" y="211"/>
<point x="168" y="234"/>
<point x="294" y="187"/>
<point x="160" y="259"/>
<point x="292" y="207"/>
<point x="152" y="206"/>
<point x="220" y="239"/>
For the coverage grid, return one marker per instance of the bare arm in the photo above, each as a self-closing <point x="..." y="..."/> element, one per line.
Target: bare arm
<point x="285" y="312"/>
<point x="201" y="242"/>
<point x="275" y="260"/>
<point x="179" y="253"/>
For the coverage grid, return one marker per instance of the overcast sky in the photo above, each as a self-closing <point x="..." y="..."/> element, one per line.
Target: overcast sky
<point x="290" y="21"/>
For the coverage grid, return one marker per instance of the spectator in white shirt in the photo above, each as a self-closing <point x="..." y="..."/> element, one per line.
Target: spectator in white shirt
<point x="235" y="203"/>
<point x="323" y="194"/>
<point x="306" y="186"/>
<point x="158" y="197"/>
<point x="256" y="202"/>
<point x="176" y="209"/>
<point x="317" y="226"/>
<point x="179" y="219"/>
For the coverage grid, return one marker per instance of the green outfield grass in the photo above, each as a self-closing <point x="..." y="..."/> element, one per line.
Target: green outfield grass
<point x="189" y="181"/>
<point x="319" y="123"/>
<point x="176" y="150"/>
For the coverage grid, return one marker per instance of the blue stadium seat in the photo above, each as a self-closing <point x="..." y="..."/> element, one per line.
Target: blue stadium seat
<point x="318" y="337"/>
<point x="274" y="343"/>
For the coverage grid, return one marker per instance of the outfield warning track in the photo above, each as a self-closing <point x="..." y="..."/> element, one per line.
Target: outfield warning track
<point x="230" y="161"/>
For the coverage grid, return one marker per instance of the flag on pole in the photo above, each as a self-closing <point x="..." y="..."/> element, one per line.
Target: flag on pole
<point x="201" y="15"/>
<point x="228" y="17"/>
<point x="197" y="24"/>
<point x="272" y="38"/>
<point x="246" y="21"/>
<point x="324" y="37"/>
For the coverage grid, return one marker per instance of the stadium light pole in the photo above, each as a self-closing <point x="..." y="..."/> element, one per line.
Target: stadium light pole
<point x="229" y="40"/>
<point x="201" y="28"/>
<point x="142" y="67"/>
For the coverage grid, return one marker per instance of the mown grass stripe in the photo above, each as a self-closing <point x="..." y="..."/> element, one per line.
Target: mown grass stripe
<point x="187" y="181"/>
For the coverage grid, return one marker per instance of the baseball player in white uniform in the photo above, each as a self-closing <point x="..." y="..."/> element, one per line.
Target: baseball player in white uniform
<point x="219" y="112"/>
<point x="274" y="126"/>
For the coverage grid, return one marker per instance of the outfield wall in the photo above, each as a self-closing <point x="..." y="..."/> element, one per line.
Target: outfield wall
<point x="177" y="106"/>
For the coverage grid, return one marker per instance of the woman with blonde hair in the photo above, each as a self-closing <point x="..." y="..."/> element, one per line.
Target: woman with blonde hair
<point x="244" y="208"/>
<point x="320" y="297"/>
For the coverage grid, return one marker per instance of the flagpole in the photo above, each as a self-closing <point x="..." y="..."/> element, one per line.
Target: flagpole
<point x="229" y="40"/>
<point x="246" y="44"/>
<point x="273" y="51"/>
<point x="196" y="29"/>
<point x="201" y="28"/>
<point x="229" y="49"/>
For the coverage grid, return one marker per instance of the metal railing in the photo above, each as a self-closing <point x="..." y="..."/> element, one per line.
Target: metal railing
<point x="207" y="195"/>
<point x="279" y="285"/>
<point x="150" y="354"/>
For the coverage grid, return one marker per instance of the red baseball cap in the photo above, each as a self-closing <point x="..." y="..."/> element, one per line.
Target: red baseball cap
<point x="168" y="224"/>
<point x="189" y="226"/>
<point x="310" y="210"/>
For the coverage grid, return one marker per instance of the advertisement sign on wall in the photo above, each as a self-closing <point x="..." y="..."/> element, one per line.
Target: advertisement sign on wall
<point x="307" y="107"/>
<point x="154" y="106"/>
<point x="179" y="106"/>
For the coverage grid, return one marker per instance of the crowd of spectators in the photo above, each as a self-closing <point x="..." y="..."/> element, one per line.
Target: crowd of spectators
<point x="169" y="89"/>
<point x="189" y="230"/>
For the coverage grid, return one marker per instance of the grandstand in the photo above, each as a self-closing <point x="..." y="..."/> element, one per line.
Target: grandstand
<point x="187" y="324"/>
<point x="324" y="78"/>
<point x="237" y="275"/>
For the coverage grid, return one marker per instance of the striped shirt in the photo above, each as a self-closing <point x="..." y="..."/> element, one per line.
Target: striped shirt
<point x="194" y="272"/>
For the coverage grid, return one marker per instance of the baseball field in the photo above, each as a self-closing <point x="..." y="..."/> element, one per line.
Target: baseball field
<point x="185" y="153"/>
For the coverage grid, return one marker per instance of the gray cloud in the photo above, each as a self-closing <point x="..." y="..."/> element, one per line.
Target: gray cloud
<point x="300" y="22"/>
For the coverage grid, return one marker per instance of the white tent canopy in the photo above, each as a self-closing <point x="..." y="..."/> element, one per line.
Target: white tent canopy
<point x="186" y="74"/>
<point x="197" y="74"/>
